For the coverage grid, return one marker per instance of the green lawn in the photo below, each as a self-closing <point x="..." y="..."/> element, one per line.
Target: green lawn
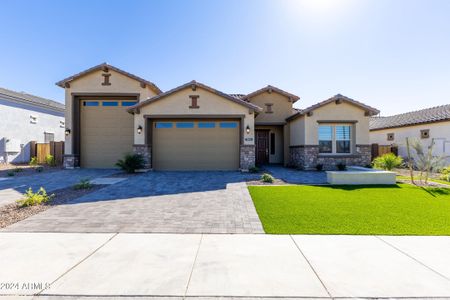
<point x="416" y="178"/>
<point x="386" y="210"/>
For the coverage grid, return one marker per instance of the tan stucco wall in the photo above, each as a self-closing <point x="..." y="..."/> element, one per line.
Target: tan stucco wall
<point x="92" y="83"/>
<point x="281" y="107"/>
<point x="439" y="131"/>
<point x="278" y="157"/>
<point x="338" y="112"/>
<point x="297" y="132"/>
<point x="210" y="104"/>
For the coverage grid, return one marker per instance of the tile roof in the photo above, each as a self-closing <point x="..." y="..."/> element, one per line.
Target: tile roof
<point x="31" y="99"/>
<point x="271" y="88"/>
<point x="428" y="115"/>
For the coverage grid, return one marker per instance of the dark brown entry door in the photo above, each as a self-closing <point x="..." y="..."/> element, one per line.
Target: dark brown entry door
<point x="262" y="147"/>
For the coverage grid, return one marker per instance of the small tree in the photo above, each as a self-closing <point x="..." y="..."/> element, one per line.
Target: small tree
<point x="426" y="162"/>
<point x="387" y="161"/>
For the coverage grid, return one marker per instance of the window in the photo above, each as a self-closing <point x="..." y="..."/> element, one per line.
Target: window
<point x="425" y="133"/>
<point x="128" y="103"/>
<point x="343" y="139"/>
<point x="335" y="139"/>
<point x="49" y="137"/>
<point x="206" y="125"/>
<point x="163" y="125"/>
<point x="185" y="125"/>
<point x="90" y="103"/>
<point x="110" y="103"/>
<point x="269" y="108"/>
<point x="228" y="125"/>
<point x="390" y="136"/>
<point x="272" y="143"/>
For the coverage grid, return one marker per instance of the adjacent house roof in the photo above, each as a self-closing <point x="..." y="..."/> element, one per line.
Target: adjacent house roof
<point x="31" y="99"/>
<point x="428" y="115"/>
<point x="106" y="66"/>
<point x="271" y="89"/>
<point x="369" y="110"/>
<point x="194" y="84"/>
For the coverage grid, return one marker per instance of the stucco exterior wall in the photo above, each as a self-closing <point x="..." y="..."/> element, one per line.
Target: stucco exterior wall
<point x="16" y="126"/>
<point x="440" y="132"/>
<point x="92" y="83"/>
<point x="281" y="107"/>
<point x="209" y="104"/>
<point x="297" y="132"/>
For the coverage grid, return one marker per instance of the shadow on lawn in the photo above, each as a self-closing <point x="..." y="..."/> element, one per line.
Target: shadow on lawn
<point x="433" y="191"/>
<point x="359" y="187"/>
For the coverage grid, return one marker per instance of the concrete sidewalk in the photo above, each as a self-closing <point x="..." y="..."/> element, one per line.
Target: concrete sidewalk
<point x="73" y="265"/>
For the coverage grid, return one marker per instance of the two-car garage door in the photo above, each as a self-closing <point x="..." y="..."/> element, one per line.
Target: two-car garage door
<point x="195" y="144"/>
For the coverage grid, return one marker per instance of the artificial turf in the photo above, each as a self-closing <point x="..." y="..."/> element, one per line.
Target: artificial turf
<point x="402" y="209"/>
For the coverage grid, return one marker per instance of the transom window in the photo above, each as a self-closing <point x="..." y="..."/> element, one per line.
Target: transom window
<point x="185" y="125"/>
<point x="163" y="125"/>
<point x="228" y="125"/>
<point x="335" y="139"/>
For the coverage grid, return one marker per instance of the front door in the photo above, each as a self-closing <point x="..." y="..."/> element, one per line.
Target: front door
<point x="262" y="147"/>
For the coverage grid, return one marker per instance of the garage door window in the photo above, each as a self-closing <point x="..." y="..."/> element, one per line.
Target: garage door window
<point x="90" y="103"/>
<point x="206" y="125"/>
<point x="185" y="125"/>
<point x="228" y="125"/>
<point x="163" y="125"/>
<point x="110" y="103"/>
<point x="128" y="103"/>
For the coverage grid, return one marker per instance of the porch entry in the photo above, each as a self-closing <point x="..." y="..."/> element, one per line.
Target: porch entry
<point x="262" y="147"/>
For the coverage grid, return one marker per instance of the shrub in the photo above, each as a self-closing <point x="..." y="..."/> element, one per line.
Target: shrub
<point x="33" y="161"/>
<point x="83" y="185"/>
<point x="387" y="161"/>
<point x="131" y="162"/>
<point x="11" y="174"/>
<point x="445" y="174"/>
<point x="319" y="167"/>
<point x="267" y="178"/>
<point x="341" y="166"/>
<point x="253" y="170"/>
<point x="34" y="198"/>
<point x="39" y="169"/>
<point x="18" y="170"/>
<point x="50" y="160"/>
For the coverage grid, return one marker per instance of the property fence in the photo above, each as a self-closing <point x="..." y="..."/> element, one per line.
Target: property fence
<point x="41" y="150"/>
<point x="379" y="150"/>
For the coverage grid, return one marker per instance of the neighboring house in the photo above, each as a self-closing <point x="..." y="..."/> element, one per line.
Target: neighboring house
<point x="427" y="125"/>
<point x="194" y="127"/>
<point x="25" y="118"/>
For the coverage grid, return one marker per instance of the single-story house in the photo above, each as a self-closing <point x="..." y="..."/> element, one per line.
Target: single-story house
<point x="26" y="118"/>
<point x="427" y="125"/>
<point x="195" y="127"/>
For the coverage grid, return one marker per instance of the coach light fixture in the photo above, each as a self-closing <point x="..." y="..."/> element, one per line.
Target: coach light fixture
<point x="67" y="132"/>
<point x="139" y="129"/>
<point x="247" y="129"/>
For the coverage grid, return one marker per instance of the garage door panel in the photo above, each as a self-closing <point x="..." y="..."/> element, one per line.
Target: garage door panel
<point x="106" y="135"/>
<point x="196" y="148"/>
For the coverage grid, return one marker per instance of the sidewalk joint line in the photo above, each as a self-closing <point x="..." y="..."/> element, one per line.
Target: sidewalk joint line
<point x="80" y="262"/>
<point x="193" y="266"/>
<point x="312" y="268"/>
<point x="412" y="257"/>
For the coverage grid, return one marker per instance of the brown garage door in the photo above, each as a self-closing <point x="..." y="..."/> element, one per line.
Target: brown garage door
<point x="195" y="145"/>
<point x="106" y="130"/>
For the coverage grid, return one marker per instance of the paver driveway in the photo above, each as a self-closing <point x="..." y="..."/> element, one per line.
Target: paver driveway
<point x="175" y="202"/>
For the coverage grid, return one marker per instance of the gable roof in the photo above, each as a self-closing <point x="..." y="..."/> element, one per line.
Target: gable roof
<point x="31" y="99"/>
<point x="271" y="89"/>
<point x="423" y="116"/>
<point x="370" y="110"/>
<point x="106" y="66"/>
<point x="193" y="84"/>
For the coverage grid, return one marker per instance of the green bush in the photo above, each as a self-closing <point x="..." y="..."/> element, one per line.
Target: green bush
<point x="131" y="162"/>
<point x="11" y="173"/>
<point x="253" y="170"/>
<point x="319" y="167"/>
<point x="387" y="161"/>
<point x="33" y="161"/>
<point x="83" y="185"/>
<point x="31" y="198"/>
<point x="341" y="166"/>
<point x="18" y="170"/>
<point x="267" y="178"/>
<point x="50" y="160"/>
<point x="39" y="169"/>
<point x="445" y="174"/>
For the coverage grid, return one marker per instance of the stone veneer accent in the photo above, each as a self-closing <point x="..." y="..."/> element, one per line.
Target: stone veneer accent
<point x="247" y="157"/>
<point x="146" y="152"/>
<point x="307" y="157"/>
<point x="71" y="161"/>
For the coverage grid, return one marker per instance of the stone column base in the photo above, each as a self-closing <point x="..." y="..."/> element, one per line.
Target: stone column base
<point x="71" y="161"/>
<point x="146" y="152"/>
<point x="247" y="157"/>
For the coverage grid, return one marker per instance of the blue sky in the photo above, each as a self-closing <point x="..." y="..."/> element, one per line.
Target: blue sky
<point x="393" y="55"/>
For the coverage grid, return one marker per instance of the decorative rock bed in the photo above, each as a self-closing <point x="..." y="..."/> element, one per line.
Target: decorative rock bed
<point x="360" y="175"/>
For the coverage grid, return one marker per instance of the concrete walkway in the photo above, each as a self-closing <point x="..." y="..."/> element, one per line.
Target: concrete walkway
<point x="175" y="265"/>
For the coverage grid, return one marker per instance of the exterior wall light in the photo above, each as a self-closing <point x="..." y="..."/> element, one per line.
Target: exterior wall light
<point x="67" y="132"/>
<point x="139" y="129"/>
<point x="247" y="129"/>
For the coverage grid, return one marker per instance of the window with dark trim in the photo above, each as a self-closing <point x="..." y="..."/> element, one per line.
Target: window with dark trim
<point x="335" y="139"/>
<point x="269" y="108"/>
<point x="185" y="125"/>
<point x="272" y="143"/>
<point x="425" y="133"/>
<point x="325" y="139"/>
<point x="228" y="125"/>
<point x="343" y="141"/>
<point x="206" y="125"/>
<point x="163" y="125"/>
